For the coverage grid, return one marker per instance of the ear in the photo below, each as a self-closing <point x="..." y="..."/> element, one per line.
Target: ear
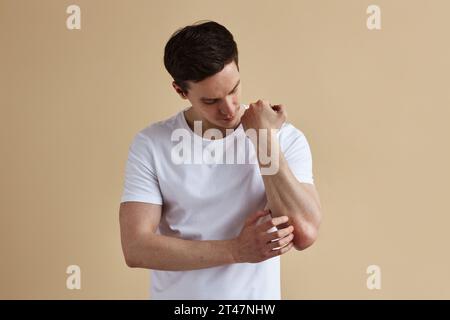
<point x="178" y="89"/>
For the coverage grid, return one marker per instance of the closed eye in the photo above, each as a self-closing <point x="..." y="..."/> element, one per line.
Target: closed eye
<point x="210" y="102"/>
<point x="213" y="101"/>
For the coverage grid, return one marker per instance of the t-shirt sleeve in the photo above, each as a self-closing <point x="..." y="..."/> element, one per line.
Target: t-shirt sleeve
<point x="141" y="182"/>
<point x="297" y="153"/>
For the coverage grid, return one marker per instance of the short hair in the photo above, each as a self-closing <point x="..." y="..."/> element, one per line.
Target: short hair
<point x="198" y="51"/>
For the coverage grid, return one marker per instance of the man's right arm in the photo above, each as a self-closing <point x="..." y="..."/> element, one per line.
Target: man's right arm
<point x="143" y="248"/>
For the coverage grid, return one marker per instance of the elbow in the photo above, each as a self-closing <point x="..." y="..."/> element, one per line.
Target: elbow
<point x="136" y="250"/>
<point x="306" y="230"/>
<point x="130" y="257"/>
<point x="303" y="242"/>
<point x="131" y="263"/>
<point x="129" y="260"/>
<point x="305" y="236"/>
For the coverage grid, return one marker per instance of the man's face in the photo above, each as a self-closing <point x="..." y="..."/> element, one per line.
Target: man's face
<point x="215" y="100"/>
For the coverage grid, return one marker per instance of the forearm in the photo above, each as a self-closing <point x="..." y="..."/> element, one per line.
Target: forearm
<point x="161" y="252"/>
<point x="287" y="196"/>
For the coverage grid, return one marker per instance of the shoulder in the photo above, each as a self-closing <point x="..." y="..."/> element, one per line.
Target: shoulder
<point x="288" y="129"/>
<point x="289" y="134"/>
<point x="160" y="130"/>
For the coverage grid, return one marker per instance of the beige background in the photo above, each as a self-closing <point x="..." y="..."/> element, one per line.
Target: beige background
<point x="374" y="106"/>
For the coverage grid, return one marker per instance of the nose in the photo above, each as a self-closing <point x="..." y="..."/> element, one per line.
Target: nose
<point x="228" y="108"/>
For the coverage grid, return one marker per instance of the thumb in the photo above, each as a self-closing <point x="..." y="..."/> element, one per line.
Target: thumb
<point x="255" y="216"/>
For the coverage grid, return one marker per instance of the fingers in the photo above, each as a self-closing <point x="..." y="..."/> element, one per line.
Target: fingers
<point x="281" y="233"/>
<point x="273" y="223"/>
<point x="281" y="251"/>
<point x="255" y="216"/>
<point x="279" y="109"/>
<point x="260" y="103"/>
<point x="280" y="237"/>
<point x="281" y="242"/>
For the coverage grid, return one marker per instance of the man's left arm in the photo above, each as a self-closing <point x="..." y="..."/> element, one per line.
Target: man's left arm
<point x="286" y="195"/>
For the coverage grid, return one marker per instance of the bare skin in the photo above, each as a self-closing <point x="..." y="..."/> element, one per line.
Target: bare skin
<point x="256" y="244"/>
<point x="143" y="248"/>
<point x="285" y="194"/>
<point x="215" y="102"/>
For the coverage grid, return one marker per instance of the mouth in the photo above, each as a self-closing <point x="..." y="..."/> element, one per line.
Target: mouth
<point x="229" y="119"/>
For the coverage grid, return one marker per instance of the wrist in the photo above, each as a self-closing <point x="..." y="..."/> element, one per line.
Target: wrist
<point x="233" y="250"/>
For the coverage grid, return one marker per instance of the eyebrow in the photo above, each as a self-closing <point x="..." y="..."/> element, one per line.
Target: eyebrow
<point x="239" y="81"/>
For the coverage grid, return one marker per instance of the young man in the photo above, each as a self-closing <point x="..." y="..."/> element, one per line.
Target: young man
<point x="196" y="209"/>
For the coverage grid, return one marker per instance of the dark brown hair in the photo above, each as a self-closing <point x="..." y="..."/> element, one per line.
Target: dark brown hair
<point x="198" y="51"/>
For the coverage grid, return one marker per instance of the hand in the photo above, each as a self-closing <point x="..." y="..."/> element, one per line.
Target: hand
<point x="255" y="244"/>
<point x="262" y="115"/>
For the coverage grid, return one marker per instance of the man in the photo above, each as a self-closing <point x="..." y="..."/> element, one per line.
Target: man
<point x="215" y="229"/>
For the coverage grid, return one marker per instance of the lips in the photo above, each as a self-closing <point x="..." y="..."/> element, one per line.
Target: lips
<point x="228" y="119"/>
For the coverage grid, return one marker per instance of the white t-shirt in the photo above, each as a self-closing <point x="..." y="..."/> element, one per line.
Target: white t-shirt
<point x="209" y="200"/>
